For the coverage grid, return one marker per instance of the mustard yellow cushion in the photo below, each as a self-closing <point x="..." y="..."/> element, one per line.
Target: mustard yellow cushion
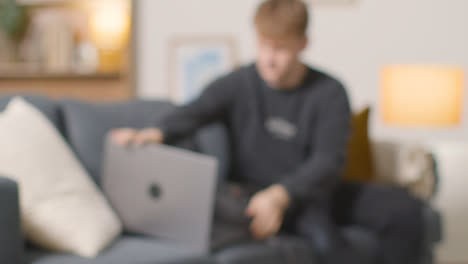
<point x="359" y="163"/>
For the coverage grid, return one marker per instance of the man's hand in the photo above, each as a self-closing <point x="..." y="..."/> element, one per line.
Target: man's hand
<point x="267" y="210"/>
<point x="123" y="136"/>
<point x="149" y="136"/>
<point x="126" y="136"/>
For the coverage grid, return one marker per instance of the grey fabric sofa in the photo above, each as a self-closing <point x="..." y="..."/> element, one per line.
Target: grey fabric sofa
<point x="84" y="126"/>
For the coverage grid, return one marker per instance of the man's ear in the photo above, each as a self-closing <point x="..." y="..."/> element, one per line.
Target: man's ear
<point x="304" y="43"/>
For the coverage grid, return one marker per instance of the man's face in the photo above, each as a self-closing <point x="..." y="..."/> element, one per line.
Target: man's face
<point x="277" y="58"/>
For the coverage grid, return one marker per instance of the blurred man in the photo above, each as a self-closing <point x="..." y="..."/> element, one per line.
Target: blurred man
<point x="289" y="126"/>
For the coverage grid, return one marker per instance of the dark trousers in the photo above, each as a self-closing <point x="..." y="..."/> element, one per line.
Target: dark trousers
<point x="390" y="213"/>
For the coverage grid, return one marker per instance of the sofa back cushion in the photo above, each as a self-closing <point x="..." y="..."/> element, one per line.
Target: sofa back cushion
<point x="47" y="107"/>
<point x="213" y="140"/>
<point x="86" y="126"/>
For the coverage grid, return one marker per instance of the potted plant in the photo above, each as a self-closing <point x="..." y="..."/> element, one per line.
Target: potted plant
<point x="13" y="23"/>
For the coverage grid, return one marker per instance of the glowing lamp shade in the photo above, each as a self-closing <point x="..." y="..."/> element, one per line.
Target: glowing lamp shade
<point x="109" y="27"/>
<point x="110" y="24"/>
<point x="422" y="95"/>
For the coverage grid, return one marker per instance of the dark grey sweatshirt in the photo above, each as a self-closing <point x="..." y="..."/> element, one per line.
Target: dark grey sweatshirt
<point x="296" y="138"/>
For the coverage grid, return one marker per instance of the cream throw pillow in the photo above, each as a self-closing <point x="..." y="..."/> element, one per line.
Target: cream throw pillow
<point x="61" y="208"/>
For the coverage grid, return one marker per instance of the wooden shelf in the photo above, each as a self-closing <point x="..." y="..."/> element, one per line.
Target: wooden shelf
<point x="35" y="78"/>
<point x="58" y="76"/>
<point x="44" y="2"/>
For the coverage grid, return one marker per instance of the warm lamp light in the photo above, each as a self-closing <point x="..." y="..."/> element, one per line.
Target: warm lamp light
<point x="109" y="27"/>
<point x="422" y="95"/>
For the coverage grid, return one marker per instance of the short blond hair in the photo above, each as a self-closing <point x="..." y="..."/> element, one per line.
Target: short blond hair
<point x="280" y="19"/>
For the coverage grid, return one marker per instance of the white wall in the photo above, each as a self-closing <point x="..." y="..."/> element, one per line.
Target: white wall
<point x="351" y="42"/>
<point x="161" y="20"/>
<point x="355" y="43"/>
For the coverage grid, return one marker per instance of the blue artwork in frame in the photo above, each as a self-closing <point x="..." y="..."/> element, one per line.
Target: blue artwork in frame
<point x="197" y="62"/>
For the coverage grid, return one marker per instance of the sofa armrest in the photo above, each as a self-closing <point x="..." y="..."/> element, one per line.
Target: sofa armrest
<point x="11" y="242"/>
<point x="384" y="157"/>
<point x="432" y="234"/>
<point x="407" y="165"/>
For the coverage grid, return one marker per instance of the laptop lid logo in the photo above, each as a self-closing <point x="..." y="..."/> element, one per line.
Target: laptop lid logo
<point x="155" y="191"/>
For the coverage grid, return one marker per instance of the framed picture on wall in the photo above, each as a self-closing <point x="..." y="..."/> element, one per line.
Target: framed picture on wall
<point x="330" y="2"/>
<point x="194" y="62"/>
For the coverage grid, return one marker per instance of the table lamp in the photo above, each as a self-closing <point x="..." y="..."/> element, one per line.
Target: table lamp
<point x="422" y="95"/>
<point x="110" y="26"/>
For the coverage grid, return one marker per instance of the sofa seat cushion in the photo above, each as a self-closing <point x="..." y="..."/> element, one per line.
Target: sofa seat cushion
<point x="294" y="250"/>
<point x="126" y="250"/>
<point x="280" y="250"/>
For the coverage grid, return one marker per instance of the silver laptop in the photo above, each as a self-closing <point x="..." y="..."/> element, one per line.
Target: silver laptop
<point x="162" y="191"/>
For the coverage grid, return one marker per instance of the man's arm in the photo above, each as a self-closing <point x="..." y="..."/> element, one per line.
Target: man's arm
<point x="212" y="105"/>
<point x="322" y="170"/>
